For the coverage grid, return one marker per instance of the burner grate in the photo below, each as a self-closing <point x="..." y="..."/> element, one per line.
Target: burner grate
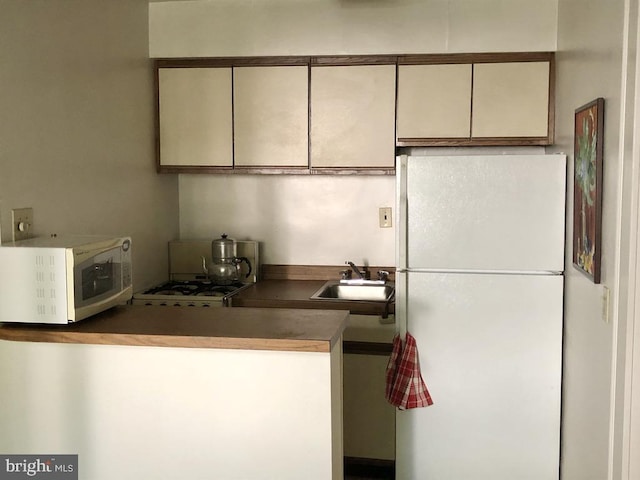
<point x="192" y="288"/>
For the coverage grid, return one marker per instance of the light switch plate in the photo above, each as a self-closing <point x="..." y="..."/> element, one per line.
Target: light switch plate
<point x="385" y="217"/>
<point x="22" y="223"/>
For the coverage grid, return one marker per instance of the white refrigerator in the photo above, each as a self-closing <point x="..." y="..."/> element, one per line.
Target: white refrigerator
<point x="479" y="284"/>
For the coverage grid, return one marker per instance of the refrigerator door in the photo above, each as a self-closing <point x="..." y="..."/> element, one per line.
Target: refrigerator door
<point x="490" y="349"/>
<point x="482" y="212"/>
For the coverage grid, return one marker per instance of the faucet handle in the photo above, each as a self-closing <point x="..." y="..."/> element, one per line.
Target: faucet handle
<point x="366" y="273"/>
<point x="383" y="275"/>
<point x="345" y="274"/>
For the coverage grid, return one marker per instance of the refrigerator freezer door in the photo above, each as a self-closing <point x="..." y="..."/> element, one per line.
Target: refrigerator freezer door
<point x="484" y="212"/>
<point x="490" y="349"/>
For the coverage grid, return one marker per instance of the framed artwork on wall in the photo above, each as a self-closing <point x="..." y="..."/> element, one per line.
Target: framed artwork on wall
<point x="587" y="188"/>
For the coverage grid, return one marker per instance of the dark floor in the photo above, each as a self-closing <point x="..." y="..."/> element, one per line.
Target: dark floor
<point x="368" y="469"/>
<point x="352" y="477"/>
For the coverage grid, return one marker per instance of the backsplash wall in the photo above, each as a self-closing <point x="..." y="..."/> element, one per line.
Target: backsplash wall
<point x="298" y="219"/>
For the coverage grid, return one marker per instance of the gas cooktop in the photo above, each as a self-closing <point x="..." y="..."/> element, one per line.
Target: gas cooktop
<point x="188" y="293"/>
<point x="188" y="285"/>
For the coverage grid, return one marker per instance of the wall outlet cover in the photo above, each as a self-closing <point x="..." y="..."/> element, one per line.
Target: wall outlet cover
<point x="22" y="223"/>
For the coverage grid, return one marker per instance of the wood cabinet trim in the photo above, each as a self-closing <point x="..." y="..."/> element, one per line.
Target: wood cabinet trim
<point x="552" y="101"/>
<point x="275" y="170"/>
<point x="337" y="60"/>
<point x="498" y="57"/>
<point x="240" y="169"/>
<point x="352" y="171"/>
<point x="473" y="142"/>
<point x="194" y="169"/>
<point x="212" y="62"/>
<point x="193" y="62"/>
<point x="346" y="60"/>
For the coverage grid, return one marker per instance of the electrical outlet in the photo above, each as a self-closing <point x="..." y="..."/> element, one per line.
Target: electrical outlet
<point x="385" y="217"/>
<point x="22" y="223"/>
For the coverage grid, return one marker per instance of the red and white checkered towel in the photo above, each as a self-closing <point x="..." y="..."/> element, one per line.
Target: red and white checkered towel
<point x="405" y="387"/>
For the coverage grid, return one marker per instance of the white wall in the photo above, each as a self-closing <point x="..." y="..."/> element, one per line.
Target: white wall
<point x="76" y="126"/>
<point x="299" y="220"/>
<point x="317" y="27"/>
<point x="325" y="220"/>
<point x="591" y="63"/>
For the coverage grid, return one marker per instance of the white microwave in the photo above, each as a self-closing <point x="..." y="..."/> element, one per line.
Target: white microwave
<point x="63" y="279"/>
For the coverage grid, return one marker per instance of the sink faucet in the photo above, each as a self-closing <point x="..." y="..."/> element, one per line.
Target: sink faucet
<point x="358" y="273"/>
<point x="355" y="276"/>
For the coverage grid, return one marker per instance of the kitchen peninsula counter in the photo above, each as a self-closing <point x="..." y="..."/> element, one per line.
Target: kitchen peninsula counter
<point x="246" y="328"/>
<point x="178" y="392"/>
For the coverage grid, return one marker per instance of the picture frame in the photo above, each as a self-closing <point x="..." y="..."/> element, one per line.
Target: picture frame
<point x="587" y="188"/>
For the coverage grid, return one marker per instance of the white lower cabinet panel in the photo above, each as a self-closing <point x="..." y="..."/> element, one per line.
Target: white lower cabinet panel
<point x="133" y="413"/>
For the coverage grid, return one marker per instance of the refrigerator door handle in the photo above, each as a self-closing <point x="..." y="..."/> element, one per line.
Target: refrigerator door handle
<point x="478" y="272"/>
<point x="401" y="303"/>
<point x="402" y="226"/>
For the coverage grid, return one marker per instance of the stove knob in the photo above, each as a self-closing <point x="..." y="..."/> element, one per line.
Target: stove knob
<point x="176" y="304"/>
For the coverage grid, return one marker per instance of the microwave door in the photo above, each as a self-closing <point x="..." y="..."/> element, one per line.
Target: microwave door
<point x="97" y="280"/>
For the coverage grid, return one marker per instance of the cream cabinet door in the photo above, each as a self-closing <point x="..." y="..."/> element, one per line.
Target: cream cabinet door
<point x="434" y="101"/>
<point x="271" y="116"/>
<point x="510" y="99"/>
<point x="353" y="116"/>
<point x="195" y="116"/>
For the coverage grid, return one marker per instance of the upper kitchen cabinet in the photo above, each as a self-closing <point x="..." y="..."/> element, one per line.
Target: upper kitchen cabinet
<point x="434" y="101"/>
<point x="476" y="99"/>
<point x="510" y="100"/>
<point x="345" y="114"/>
<point x="271" y="116"/>
<point x="194" y="118"/>
<point x="353" y="117"/>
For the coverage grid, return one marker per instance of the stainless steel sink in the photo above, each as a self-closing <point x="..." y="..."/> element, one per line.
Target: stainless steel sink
<point x="368" y="292"/>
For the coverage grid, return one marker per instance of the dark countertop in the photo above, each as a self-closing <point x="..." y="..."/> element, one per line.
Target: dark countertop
<point x="296" y="293"/>
<point x="361" y="337"/>
<point x="283" y="329"/>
